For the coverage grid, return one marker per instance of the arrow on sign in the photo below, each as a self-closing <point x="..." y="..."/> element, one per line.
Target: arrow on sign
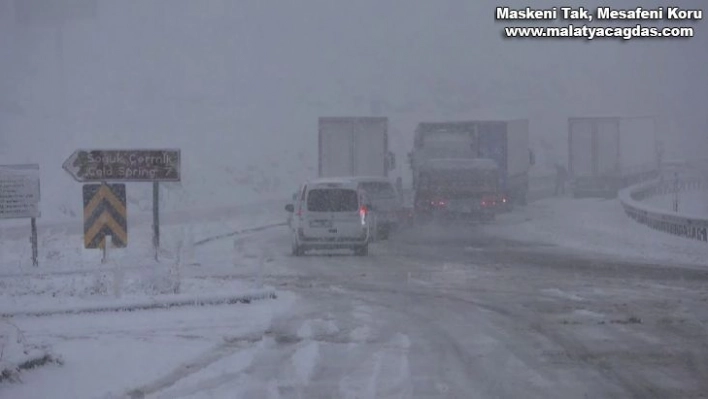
<point x="103" y="226"/>
<point x="74" y="163"/>
<point x="105" y="214"/>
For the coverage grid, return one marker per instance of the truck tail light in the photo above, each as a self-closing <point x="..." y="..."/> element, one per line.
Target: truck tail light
<point x="440" y="203"/>
<point x="489" y="201"/>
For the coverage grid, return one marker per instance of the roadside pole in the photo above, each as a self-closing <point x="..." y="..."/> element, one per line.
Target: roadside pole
<point x="104" y="246"/>
<point x="676" y="192"/>
<point x="33" y="240"/>
<point x="156" y="219"/>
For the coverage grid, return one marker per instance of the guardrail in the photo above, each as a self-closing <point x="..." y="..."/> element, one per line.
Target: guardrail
<point x="688" y="226"/>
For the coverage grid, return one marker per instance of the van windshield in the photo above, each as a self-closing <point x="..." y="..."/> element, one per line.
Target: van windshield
<point x="379" y="190"/>
<point x="332" y="200"/>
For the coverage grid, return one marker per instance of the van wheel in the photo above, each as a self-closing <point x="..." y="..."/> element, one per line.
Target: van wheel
<point x="362" y="250"/>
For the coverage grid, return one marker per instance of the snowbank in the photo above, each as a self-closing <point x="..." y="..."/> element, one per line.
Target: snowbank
<point x="161" y="301"/>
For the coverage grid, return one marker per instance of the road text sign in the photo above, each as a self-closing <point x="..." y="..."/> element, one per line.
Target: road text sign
<point x="19" y="191"/>
<point x="105" y="214"/>
<point x="124" y="165"/>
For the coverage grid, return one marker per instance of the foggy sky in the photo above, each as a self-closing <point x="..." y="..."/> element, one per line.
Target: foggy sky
<point x="258" y="73"/>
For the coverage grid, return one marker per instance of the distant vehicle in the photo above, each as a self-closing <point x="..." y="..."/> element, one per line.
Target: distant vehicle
<point x="457" y="188"/>
<point x="386" y="201"/>
<point x="354" y="146"/>
<point x="330" y="214"/>
<point x="607" y="154"/>
<point x="504" y="141"/>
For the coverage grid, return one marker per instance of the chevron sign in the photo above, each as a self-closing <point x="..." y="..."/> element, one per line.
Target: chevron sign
<point x="105" y="214"/>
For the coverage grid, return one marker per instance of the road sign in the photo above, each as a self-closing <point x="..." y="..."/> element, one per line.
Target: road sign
<point x="124" y="165"/>
<point x="19" y="191"/>
<point x="105" y="215"/>
<point x="54" y="12"/>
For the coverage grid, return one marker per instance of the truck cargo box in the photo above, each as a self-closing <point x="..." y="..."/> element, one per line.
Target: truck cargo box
<point x="353" y="146"/>
<point x="609" y="153"/>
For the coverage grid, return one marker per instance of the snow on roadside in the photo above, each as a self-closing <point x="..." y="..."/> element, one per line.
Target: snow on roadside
<point x="690" y="202"/>
<point x="59" y="250"/>
<point x="595" y="225"/>
<point x="17" y="354"/>
<point x="71" y="275"/>
<point x="110" y="354"/>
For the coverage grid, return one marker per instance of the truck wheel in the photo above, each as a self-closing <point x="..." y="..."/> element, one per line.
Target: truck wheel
<point x="362" y="250"/>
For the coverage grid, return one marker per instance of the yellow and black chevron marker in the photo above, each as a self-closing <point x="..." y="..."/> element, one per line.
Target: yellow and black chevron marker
<point x="105" y="214"/>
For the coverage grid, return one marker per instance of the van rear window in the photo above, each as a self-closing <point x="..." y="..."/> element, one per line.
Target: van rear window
<point x="332" y="200"/>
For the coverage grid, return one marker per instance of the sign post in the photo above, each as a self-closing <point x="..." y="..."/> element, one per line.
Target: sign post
<point x="33" y="240"/>
<point x="145" y="166"/>
<point x="676" y="192"/>
<point x="156" y="219"/>
<point x="19" y="198"/>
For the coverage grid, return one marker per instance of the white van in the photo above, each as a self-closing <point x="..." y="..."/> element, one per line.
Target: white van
<point x="330" y="214"/>
<point x="387" y="203"/>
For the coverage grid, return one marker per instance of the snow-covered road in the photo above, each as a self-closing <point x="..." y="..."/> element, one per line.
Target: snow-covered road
<point x="456" y="311"/>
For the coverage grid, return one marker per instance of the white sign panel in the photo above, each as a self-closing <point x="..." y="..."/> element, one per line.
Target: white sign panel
<point x="19" y="191"/>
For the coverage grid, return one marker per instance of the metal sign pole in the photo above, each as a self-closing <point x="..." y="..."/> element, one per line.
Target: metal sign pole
<point x="34" y="241"/>
<point x="676" y="192"/>
<point x="106" y="242"/>
<point x="156" y="218"/>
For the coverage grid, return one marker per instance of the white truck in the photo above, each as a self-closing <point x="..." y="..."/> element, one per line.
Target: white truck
<point x="606" y="154"/>
<point x="354" y="146"/>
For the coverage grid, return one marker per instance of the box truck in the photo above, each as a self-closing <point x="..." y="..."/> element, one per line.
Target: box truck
<point x="354" y="146"/>
<point x="606" y="154"/>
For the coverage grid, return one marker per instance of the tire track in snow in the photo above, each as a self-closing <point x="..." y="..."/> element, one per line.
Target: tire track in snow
<point x="227" y="348"/>
<point x="314" y="355"/>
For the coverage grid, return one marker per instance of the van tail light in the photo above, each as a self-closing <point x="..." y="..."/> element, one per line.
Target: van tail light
<point x="362" y="215"/>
